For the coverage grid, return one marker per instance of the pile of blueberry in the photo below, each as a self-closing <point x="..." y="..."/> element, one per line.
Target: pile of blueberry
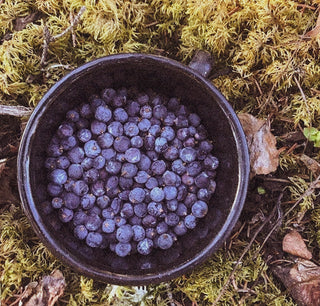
<point x="130" y="171"/>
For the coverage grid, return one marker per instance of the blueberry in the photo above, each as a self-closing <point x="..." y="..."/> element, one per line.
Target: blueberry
<point x="172" y="205"/>
<point x="124" y="195"/>
<point x="75" y="171"/>
<point x="194" y="168"/>
<point x="177" y="143"/>
<point x="149" y="221"/>
<point x="80" y="232"/>
<point x="133" y="155"/>
<point x="94" y="239"/>
<point x="173" y="104"/>
<point x="161" y="144"/>
<point x="205" y="146"/>
<point x="190" y="199"/>
<point x="140" y="210"/>
<point x="98" y="127"/>
<point x="137" y="195"/>
<point x="84" y="135"/>
<point x="202" y="180"/>
<point x="129" y="170"/>
<point x="144" y="163"/>
<point x="103" y="201"/>
<point x="119" y="100"/>
<point x="157" y="194"/>
<point x="54" y="190"/>
<point x="62" y="162"/>
<point x="125" y="183"/>
<point x="162" y="228"/>
<point x="113" y="166"/>
<point x="65" y="130"/>
<point x="168" y="133"/>
<point x="105" y="140"/>
<point x="182" y="133"/>
<point x="146" y="111"/>
<point x="138" y="233"/>
<point x="58" y="176"/>
<point x="93" y="222"/>
<point x="99" y="162"/>
<point x="116" y="205"/>
<point x="169" y="119"/>
<point x="194" y="119"/>
<point x="182" y="210"/>
<point x="57" y="202"/>
<point x="108" y="213"/>
<point x="127" y="210"/>
<point x="71" y="200"/>
<point x="155" y="130"/>
<point x="108" y="94"/>
<point x="108" y="226"/>
<point x="123" y="249"/>
<point x="180" y="229"/>
<point x="120" y="115"/>
<point x="131" y="129"/>
<point x="68" y="143"/>
<point x="204" y="194"/>
<point x="157" y="100"/>
<point x="95" y="102"/>
<point x="51" y="163"/>
<point x="158" y="167"/>
<point x="115" y="128"/>
<point x="85" y="111"/>
<point x="124" y="233"/>
<point x="165" y="241"/>
<point x="87" y="163"/>
<point x="190" y="142"/>
<point x="178" y="166"/>
<point x="172" y="219"/>
<point x="133" y="108"/>
<point x="87" y="201"/>
<point x="82" y="123"/>
<point x="211" y="162"/>
<point x="171" y="153"/>
<point x="149" y="142"/>
<point x="169" y="178"/>
<point x="160" y="111"/>
<point x="143" y="99"/>
<point x="121" y="143"/>
<point x="155" y="209"/>
<point x="151" y="233"/>
<point x="188" y="154"/>
<point x="145" y="246"/>
<point x="103" y="113"/>
<point x="151" y="183"/>
<point x="72" y="115"/>
<point x="182" y="192"/>
<point x="80" y="188"/>
<point x="65" y="214"/>
<point x="201" y="133"/>
<point x="79" y="217"/>
<point x="199" y="209"/>
<point x="97" y="188"/>
<point x="141" y="177"/>
<point x="135" y="220"/>
<point x="136" y="141"/>
<point x="170" y="192"/>
<point x="109" y="153"/>
<point x="76" y="155"/>
<point x="111" y="182"/>
<point x="187" y="179"/>
<point x="144" y="125"/>
<point x="212" y="186"/>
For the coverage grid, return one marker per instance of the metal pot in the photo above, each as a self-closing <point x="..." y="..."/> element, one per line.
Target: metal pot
<point x="172" y="79"/>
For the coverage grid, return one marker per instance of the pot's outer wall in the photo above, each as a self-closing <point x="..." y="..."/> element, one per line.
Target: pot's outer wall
<point x="172" y="79"/>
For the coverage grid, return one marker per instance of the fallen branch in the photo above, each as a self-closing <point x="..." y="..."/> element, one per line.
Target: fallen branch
<point x="48" y="38"/>
<point x="17" y="111"/>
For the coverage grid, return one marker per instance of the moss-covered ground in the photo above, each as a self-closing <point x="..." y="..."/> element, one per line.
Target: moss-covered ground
<point x="266" y="63"/>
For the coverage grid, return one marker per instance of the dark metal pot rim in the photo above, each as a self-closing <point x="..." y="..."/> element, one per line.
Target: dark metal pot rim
<point x="70" y="259"/>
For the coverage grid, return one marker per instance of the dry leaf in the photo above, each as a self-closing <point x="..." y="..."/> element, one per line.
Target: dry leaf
<point x="264" y="156"/>
<point x="315" y="31"/>
<point x="311" y="164"/>
<point x="302" y="279"/>
<point x="44" y="293"/>
<point x="293" y="244"/>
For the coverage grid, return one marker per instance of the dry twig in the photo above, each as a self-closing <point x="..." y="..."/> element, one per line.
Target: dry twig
<point x="48" y="38"/>
<point x="17" y="111"/>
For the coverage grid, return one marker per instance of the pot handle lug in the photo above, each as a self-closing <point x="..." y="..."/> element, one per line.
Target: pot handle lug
<point x="202" y="63"/>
